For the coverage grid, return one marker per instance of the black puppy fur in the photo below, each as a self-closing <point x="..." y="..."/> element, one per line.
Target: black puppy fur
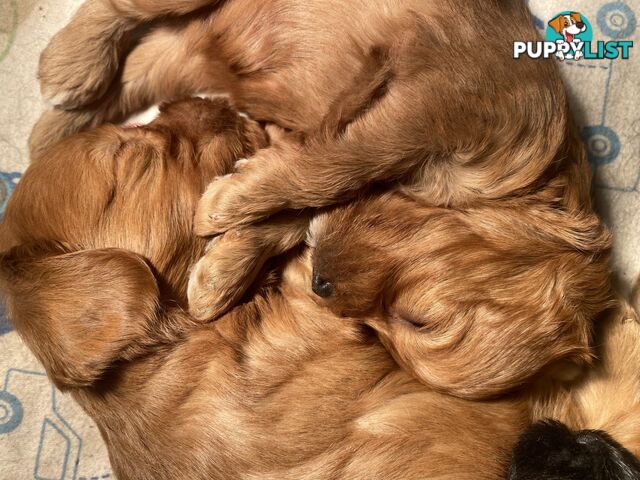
<point x="548" y="450"/>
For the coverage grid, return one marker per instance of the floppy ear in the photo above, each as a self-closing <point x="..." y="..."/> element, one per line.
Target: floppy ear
<point x="477" y="315"/>
<point x="79" y="312"/>
<point x="557" y="23"/>
<point x="477" y="350"/>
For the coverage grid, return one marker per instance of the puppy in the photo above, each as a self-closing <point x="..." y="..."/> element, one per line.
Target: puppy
<point x="472" y="302"/>
<point x="594" y="430"/>
<point x="97" y="243"/>
<point x="453" y="134"/>
<point x="407" y="266"/>
<point x="420" y="118"/>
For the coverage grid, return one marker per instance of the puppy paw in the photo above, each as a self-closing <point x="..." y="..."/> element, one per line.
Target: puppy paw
<point x="220" y="278"/>
<point x="231" y="201"/>
<point x="75" y="71"/>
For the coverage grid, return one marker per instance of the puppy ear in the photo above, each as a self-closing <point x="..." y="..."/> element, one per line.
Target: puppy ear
<point x="81" y="311"/>
<point x="557" y="23"/>
<point x="477" y="318"/>
<point x="576" y="16"/>
<point x="473" y="352"/>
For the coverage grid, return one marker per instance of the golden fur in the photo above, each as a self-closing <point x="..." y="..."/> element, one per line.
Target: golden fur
<point x="607" y="396"/>
<point x="486" y="265"/>
<point x="98" y="242"/>
<point x="487" y="137"/>
<point x="473" y="302"/>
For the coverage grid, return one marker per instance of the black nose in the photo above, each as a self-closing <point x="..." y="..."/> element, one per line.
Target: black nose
<point x="320" y="286"/>
<point x="580" y="25"/>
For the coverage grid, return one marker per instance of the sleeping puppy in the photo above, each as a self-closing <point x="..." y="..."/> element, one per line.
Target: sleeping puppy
<point x="97" y="243"/>
<point x="450" y="128"/>
<point x="473" y="301"/>
<point x="594" y="431"/>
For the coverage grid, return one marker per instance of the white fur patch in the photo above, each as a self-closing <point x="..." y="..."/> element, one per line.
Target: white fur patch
<point x="211" y="96"/>
<point x="58" y="99"/>
<point x="316" y="227"/>
<point x="143" y="118"/>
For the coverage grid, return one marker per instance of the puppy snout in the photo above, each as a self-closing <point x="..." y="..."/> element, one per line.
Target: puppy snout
<point x="580" y="25"/>
<point x="321" y="287"/>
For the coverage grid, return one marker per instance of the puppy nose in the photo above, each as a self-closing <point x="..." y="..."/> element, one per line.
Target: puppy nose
<point x="580" y="25"/>
<point x="320" y="286"/>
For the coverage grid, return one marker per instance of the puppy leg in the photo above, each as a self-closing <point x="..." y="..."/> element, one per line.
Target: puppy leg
<point x="327" y="167"/>
<point x="233" y="260"/>
<point x="82" y="59"/>
<point x="162" y="67"/>
<point x="288" y="177"/>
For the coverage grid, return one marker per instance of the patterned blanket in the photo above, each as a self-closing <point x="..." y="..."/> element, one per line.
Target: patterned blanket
<point x="44" y="435"/>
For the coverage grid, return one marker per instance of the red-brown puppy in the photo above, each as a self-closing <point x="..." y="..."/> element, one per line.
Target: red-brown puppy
<point x="98" y="241"/>
<point x="472" y="302"/>
<point x="419" y="96"/>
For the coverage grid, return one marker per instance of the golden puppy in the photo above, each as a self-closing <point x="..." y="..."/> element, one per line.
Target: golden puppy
<point x="403" y="105"/>
<point x="98" y="241"/>
<point x="473" y="302"/>
<point x="449" y="115"/>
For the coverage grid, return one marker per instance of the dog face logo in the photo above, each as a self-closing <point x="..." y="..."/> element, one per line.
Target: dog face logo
<point x="571" y="29"/>
<point x="568" y="25"/>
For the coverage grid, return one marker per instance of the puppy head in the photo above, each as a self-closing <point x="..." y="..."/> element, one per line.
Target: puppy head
<point x="472" y="303"/>
<point x="98" y="234"/>
<point x="350" y="269"/>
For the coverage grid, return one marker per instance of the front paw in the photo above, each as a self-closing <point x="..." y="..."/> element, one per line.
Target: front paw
<point x="233" y="200"/>
<point x="220" y="278"/>
<point x="75" y="71"/>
